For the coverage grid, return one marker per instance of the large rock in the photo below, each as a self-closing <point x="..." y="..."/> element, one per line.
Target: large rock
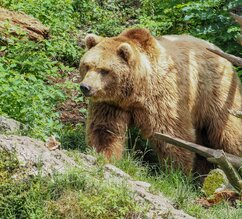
<point x="35" y="156"/>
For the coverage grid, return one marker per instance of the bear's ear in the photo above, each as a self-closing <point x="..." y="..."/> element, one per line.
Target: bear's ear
<point x="125" y="51"/>
<point x="139" y="35"/>
<point x="92" y="40"/>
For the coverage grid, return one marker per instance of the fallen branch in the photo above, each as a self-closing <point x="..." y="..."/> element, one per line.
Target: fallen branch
<point x="199" y="149"/>
<point x="234" y="178"/>
<point x="233" y="59"/>
<point x="237" y="18"/>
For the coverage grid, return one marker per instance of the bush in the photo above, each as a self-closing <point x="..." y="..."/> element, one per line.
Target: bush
<point x="28" y="100"/>
<point x="26" y="66"/>
<point x="207" y="19"/>
<point x="107" y="18"/>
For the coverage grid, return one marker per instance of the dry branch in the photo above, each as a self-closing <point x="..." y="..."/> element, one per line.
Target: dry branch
<point x="234" y="178"/>
<point x="233" y="59"/>
<point x="199" y="149"/>
<point x="237" y="18"/>
<point x="33" y="27"/>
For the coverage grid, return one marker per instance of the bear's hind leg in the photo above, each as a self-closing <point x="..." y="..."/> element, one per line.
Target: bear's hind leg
<point x="225" y="130"/>
<point x="176" y="157"/>
<point x="226" y="134"/>
<point x="201" y="165"/>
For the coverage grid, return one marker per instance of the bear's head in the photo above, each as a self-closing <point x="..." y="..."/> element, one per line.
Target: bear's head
<point x="112" y="67"/>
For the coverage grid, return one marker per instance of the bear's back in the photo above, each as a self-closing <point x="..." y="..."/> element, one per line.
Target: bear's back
<point x="191" y="56"/>
<point x="204" y="77"/>
<point x="188" y="40"/>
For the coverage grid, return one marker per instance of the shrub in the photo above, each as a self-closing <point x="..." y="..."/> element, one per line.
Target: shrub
<point x="207" y="19"/>
<point x="28" y="100"/>
<point x="25" y="66"/>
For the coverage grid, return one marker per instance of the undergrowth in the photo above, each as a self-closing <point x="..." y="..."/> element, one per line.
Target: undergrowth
<point x="84" y="193"/>
<point x="26" y="93"/>
<point x="182" y="190"/>
<point x="79" y="193"/>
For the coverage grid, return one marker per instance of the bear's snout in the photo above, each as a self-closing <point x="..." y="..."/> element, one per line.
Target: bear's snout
<point x="85" y="88"/>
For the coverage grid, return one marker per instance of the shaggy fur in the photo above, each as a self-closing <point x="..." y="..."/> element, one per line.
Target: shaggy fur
<point x="171" y="85"/>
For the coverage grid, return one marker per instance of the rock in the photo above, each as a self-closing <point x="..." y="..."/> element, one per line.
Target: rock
<point x="161" y="206"/>
<point x="116" y="171"/>
<point x="215" y="180"/>
<point x="34" y="155"/>
<point x="88" y="159"/>
<point x="35" y="158"/>
<point x="9" y="126"/>
<point x="142" y="184"/>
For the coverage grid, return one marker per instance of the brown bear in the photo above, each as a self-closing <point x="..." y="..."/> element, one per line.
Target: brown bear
<point x="171" y="84"/>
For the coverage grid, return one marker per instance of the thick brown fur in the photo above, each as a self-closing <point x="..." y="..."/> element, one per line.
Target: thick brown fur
<point x="172" y="85"/>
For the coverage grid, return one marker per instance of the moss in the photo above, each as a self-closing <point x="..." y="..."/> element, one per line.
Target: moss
<point x="101" y="201"/>
<point x="79" y="193"/>
<point x="8" y="165"/>
<point x="215" y="179"/>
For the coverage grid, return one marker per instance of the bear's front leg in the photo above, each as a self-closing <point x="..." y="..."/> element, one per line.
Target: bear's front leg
<point x="106" y="128"/>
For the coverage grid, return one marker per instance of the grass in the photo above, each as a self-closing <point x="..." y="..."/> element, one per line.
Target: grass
<point x="84" y="193"/>
<point x="73" y="138"/>
<point x="182" y="190"/>
<point x="79" y="193"/>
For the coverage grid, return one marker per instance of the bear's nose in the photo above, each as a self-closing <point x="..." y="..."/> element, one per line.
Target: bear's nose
<point x="85" y="89"/>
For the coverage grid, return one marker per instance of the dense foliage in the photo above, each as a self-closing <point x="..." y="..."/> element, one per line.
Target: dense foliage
<point x="26" y="65"/>
<point x="208" y="19"/>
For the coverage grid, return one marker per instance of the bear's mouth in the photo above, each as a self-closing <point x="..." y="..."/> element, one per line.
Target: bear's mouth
<point x="90" y="94"/>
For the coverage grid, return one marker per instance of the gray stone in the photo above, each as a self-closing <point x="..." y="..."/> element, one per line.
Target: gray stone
<point x="88" y="159"/>
<point x="142" y="184"/>
<point x="33" y="154"/>
<point x="160" y="208"/>
<point x="9" y="126"/>
<point x="116" y="171"/>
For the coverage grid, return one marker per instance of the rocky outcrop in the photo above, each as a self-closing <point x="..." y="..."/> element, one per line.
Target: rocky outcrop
<point x="35" y="157"/>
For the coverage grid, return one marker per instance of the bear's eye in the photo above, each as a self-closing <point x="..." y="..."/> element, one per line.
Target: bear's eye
<point x="83" y="69"/>
<point x="104" y="71"/>
<point x="86" y="68"/>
